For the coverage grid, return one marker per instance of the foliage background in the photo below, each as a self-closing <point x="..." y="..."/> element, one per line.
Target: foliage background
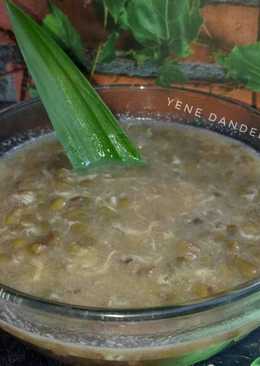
<point x="228" y="23"/>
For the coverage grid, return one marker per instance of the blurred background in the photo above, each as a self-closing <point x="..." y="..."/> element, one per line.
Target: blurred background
<point x="225" y="25"/>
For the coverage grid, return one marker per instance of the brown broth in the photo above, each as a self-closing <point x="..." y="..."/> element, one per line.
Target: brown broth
<point x="184" y="227"/>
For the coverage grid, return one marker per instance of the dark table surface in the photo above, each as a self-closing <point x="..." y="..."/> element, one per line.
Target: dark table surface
<point x="15" y="353"/>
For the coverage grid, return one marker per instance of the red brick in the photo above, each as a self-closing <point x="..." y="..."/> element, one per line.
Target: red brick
<point x="258" y="100"/>
<point x="231" y="24"/>
<point x="4" y="39"/>
<point x="200" y="53"/>
<point x="17" y="80"/>
<point x="240" y="94"/>
<point x="85" y="19"/>
<point x="38" y="8"/>
<point x="102" y="79"/>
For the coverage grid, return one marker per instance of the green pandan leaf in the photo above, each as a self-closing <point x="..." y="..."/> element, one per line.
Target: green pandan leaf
<point x="243" y="65"/>
<point x="256" y="362"/>
<point x="84" y="125"/>
<point x="64" y="32"/>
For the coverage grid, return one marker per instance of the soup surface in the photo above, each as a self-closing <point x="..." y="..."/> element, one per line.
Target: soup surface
<point x="184" y="227"/>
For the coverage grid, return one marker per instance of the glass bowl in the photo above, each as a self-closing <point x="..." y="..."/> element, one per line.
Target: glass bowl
<point x="180" y="335"/>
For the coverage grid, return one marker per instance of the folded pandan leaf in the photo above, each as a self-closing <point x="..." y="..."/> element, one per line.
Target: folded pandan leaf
<point x="89" y="132"/>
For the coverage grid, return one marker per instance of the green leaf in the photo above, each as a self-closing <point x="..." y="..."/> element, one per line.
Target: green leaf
<point x="256" y="362"/>
<point x="173" y="24"/>
<point x="84" y="125"/>
<point x="32" y="91"/>
<point x="116" y="8"/>
<point x="191" y="359"/>
<point x="144" y="55"/>
<point x="64" y="32"/>
<point x="186" y="26"/>
<point x="243" y="65"/>
<point x="169" y="73"/>
<point x="108" y="50"/>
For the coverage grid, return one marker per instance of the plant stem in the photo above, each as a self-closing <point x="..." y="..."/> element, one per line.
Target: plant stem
<point x="95" y="62"/>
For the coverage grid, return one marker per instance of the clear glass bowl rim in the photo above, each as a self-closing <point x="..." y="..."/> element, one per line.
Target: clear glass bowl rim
<point x="129" y="315"/>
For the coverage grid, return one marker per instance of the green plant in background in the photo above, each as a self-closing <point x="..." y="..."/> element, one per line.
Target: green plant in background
<point x="162" y="29"/>
<point x="242" y="65"/>
<point x="60" y="27"/>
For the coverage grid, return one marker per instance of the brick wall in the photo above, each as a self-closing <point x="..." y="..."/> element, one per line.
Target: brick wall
<point x="11" y="84"/>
